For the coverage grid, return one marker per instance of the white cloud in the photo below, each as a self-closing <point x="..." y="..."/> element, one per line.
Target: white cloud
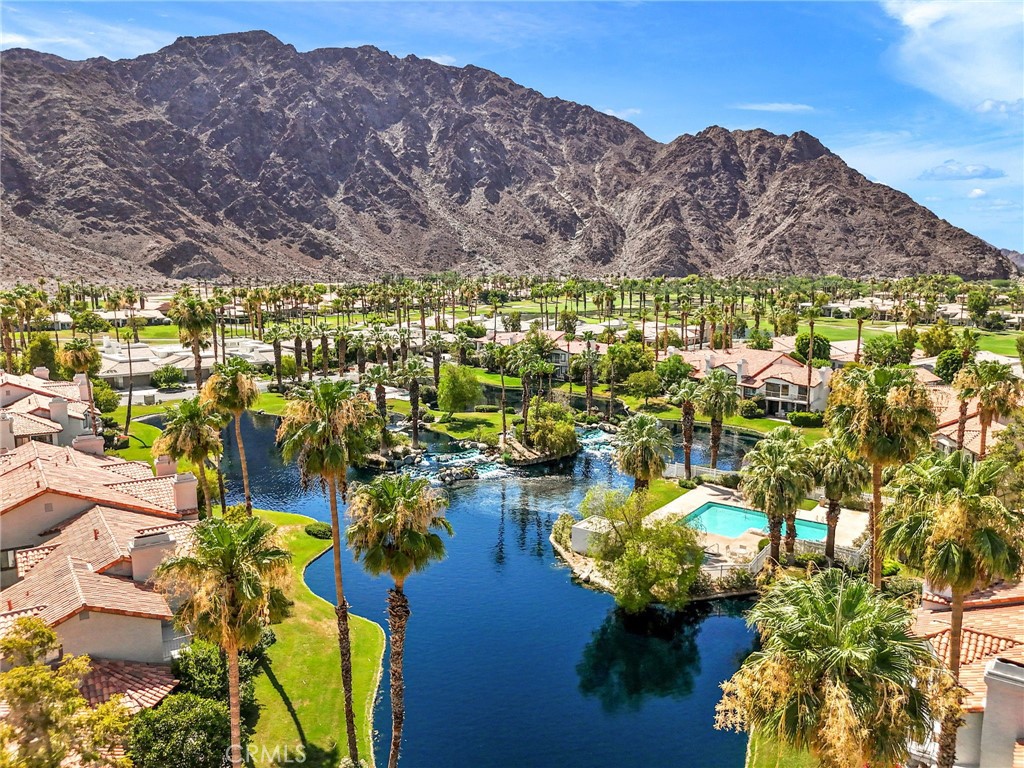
<point x="975" y="193"/>
<point x="77" y="36"/>
<point x="776" y="106"/>
<point x="624" y="114"/>
<point x="967" y="53"/>
<point x="442" y="58"/>
<point x="954" y="171"/>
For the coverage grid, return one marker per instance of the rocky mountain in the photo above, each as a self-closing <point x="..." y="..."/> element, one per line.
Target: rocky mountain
<point x="236" y="155"/>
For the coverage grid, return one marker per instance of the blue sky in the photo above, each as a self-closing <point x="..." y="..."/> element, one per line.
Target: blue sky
<point x="923" y="95"/>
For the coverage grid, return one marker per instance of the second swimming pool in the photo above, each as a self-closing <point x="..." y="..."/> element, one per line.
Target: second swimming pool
<point x="729" y="521"/>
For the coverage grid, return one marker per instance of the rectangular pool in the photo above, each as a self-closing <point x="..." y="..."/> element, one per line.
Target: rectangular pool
<point x="729" y="521"/>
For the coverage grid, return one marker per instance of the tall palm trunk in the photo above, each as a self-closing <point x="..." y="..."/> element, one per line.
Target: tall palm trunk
<point x="810" y="363"/>
<point x="983" y="443"/>
<point x="790" y="536"/>
<point x="414" y="410"/>
<point x="774" y="536"/>
<point x="831" y="520"/>
<point x="951" y="723"/>
<point x="860" y="328"/>
<point x="382" y="402"/>
<point x="325" y="356"/>
<point x="398" y="617"/>
<point x="687" y="419"/>
<point x="961" y="425"/>
<point x="309" y="359"/>
<point x="277" y="364"/>
<point x="243" y="462"/>
<point x="131" y="389"/>
<point x="341" y="612"/>
<point x="716" y="440"/>
<point x="234" y="704"/>
<point x="873" y="518"/>
<point x="342" y="354"/>
<point x="204" y="484"/>
<point x="197" y="362"/>
<point x="435" y="361"/>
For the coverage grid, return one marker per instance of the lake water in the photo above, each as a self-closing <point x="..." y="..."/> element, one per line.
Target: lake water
<point x="508" y="662"/>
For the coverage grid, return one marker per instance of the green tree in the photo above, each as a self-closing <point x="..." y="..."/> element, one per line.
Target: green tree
<point x="759" y="339"/>
<point x="326" y="429"/>
<point x="194" y="319"/>
<point x="459" y="389"/>
<point x="412" y="373"/>
<point x="185" y="729"/>
<point x="839" y="474"/>
<point x="227" y="587"/>
<point x="41" y="352"/>
<point x="642" y="447"/>
<point x="937" y="339"/>
<point x="948" y="364"/>
<point x="883" y="415"/>
<point x="861" y="315"/>
<point x="978" y="305"/>
<point x="718" y="399"/>
<point x="673" y="370"/>
<point x="623" y="360"/>
<point x="47" y="718"/>
<point x="778" y="477"/>
<point x="886" y="350"/>
<point x="378" y="377"/>
<point x="946" y="521"/>
<point x="192" y="432"/>
<point x="658" y="564"/>
<point x="167" y="377"/>
<point x="553" y="432"/>
<point x="645" y="384"/>
<point x="232" y="390"/>
<point x="394" y="530"/>
<point x="838" y="673"/>
<point x="81" y="357"/>
<point x="822" y="347"/>
<point x="276" y="334"/>
<point x="999" y="394"/>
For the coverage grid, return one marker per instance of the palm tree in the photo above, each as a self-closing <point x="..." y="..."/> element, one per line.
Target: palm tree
<point x="999" y="394"/>
<point x="642" y="447"/>
<point x="810" y="314"/>
<point x="685" y="395"/>
<point x="192" y="432"/>
<point x="194" y="319"/>
<point x="838" y="673"/>
<point x="232" y="390"/>
<point x="81" y="356"/>
<point x="394" y="530"/>
<point x="326" y="429"/>
<point x="411" y="374"/>
<point x="839" y="474"/>
<point x="325" y="332"/>
<point x="718" y="399"/>
<point x="378" y="377"/>
<point x="965" y="385"/>
<point x="436" y="345"/>
<point x="860" y="314"/>
<point x="296" y="331"/>
<point x="276" y="334"/>
<point x="946" y="520"/>
<point x="883" y="415"/>
<point x="231" y="586"/>
<point x="777" y="478"/>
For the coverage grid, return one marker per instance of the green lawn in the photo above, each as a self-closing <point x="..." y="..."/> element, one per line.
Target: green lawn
<point x="662" y="492"/>
<point x="764" y="752"/>
<point x="272" y="403"/>
<point x="494" y="379"/>
<point x="140" y="441"/>
<point x="300" y="694"/>
<point x="808" y="504"/>
<point x="465" y="425"/>
<point x="138" y="410"/>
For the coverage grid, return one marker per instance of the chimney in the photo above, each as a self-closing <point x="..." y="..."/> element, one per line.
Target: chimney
<point x="709" y="363"/>
<point x="59" y="411"/>
<point x="186" y="497"/>
<point x="6" y="432"/>
<point x="88" y="444"/>
<point x="148" y="551"/>
<point x="42" y="372"/>
<point x="165" y="466"/>
<point x="741" y="370"/>
<point x="83" y="386"/>
<point x="826" y="374"/>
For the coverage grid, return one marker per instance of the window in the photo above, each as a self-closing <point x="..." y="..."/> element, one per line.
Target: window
<point x="775" y="390"/>
<point x="801" y="393"/>
<point x="7" y="559"/>
<point x="83" y="616"/>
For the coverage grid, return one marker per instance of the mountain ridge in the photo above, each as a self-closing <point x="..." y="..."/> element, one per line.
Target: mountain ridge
<point x="238" y="156"/>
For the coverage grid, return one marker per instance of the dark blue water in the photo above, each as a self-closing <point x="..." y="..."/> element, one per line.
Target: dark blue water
<point x="508" y="662"/>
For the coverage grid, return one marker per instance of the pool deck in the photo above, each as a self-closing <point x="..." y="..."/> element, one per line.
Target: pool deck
<point x="725" y="550"/>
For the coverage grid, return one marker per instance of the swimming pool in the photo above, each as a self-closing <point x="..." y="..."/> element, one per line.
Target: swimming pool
<point x="726" y="520"/>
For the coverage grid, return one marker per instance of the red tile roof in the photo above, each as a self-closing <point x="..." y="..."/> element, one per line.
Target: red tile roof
<point x="7" y="618"/>
<point x="140" y="685"/>
<point x="27" y="425"/>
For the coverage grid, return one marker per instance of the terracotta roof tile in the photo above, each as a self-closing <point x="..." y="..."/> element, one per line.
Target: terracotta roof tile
<point x="27" y="425"/>
<point x="141" y="685"/>
<point x="7" y="618"/>
<point x="1018" y="754"/>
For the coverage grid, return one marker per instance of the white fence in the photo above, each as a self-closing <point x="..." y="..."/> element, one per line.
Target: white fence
<point x="849" y="555"/>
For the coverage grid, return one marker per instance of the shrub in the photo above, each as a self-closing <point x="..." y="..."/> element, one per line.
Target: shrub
<point x="201" y="669"/>
<point x="516" y="421"/>
<point x="806" y="418"/>
<point x="487" y="409"/>
<point x="759" y="339"/>
<point x="688" y="484"/>
<point x="319" y="530"/>
<point x="236" y="513"/>
<point x="750" y="410"/>
<point x="810" y="558"/>
<point x="427" y="417"/>
<point x="509" y="410"/>
<point x="561" y="531"/>
<point x="762" y="543"/>
<point x="185" y="729"/>
<point x="740" y="580"/>
<point x="167" y="376"/>
<point x="890" y="568"/>
<point x="948" y="364"/>
<point x="731" y="480"/>
<point x="902" y="586"/>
